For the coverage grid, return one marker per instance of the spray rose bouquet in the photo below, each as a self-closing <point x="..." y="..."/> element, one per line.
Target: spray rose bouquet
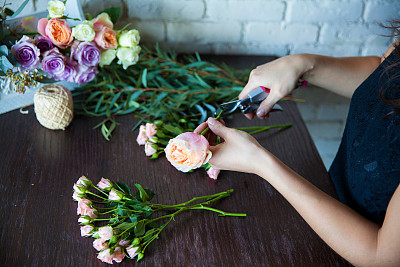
<point x="131" y="226"/>
<point x="74" y="54"/>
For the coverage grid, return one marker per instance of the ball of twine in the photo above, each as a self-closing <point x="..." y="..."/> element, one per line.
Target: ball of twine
<point x="53" y="106"/>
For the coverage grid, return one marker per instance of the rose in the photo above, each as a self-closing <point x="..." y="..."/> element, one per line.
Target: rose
<point x="53" y="62"/>
<point x="84" y="181"/>
<point x="106" y="256"/>
<point x="100" y="244"/>
<point x="43" y="43"/>
<point x="115" y="195"/>
<point x="70" y="70"/>
<point x="57" y="30"/>
<point x="104" y="184"/>
<point x="106" y="232"/>
<point x="129" y="38"/>
<point x="86" y="53"/>
<point x="26" y="53"/>
<point x="76" y="196"/>
<point x="128" y="56"/>
<point x="132" y="251"/>
<point x="142" y="137"/>
<point x="151" y="130"/>
<point x="123" y="242"/>
<point x="107" y="56"/>
<point x="119" y="254"/>
<point x="213" y="173"/>
<point x="84" y="206"/>
<point x="85" y="74"/>
<point x="101" y="20"/>
<point x="56" y="9"/>
<point x="86" y="230"/>
<point x="84" y="31"/>
<point x="106" y="38"/>
<point x="188" y="151"/>
<point x="149" y="148"/>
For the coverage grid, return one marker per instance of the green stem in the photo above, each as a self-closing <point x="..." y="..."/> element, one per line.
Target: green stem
<point x="87" y="191"/>
<point x="100" y="190"/>
<point x="271" y="127"/>
<point x="208" y="128"/>
<point x="223" y="213"/>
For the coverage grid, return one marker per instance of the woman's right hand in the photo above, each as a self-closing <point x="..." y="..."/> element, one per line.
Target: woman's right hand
<point x="280" y="76"/>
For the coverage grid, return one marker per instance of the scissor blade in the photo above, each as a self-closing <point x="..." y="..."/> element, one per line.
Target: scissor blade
<point x="230" y="107"/>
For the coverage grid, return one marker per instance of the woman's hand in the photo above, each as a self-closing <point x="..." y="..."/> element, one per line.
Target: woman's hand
<point x="237" y="152"/>
<point x="280" y="75"/>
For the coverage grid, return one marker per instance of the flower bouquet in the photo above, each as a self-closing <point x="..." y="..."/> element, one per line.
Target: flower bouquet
<point x="131" y="226"/>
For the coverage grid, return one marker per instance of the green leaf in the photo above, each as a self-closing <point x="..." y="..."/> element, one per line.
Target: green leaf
<point x="144" y="80"/>
<point x="124" y="187"/>
<point x="4" y="50"/>
<point x="140" y="229"/>
<point x="142" y="193"/>
<point x="6" y="63"/>
<point x="113" y="12"/>
<point x="21" y="7"/>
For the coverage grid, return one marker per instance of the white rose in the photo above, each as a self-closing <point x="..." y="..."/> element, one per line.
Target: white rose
<point x="84" y="31"/>
<point x="129" y="38"/>
<point x="128" y="56"/>
<point x="107" y="56"/>
<point x="56" y="9"/>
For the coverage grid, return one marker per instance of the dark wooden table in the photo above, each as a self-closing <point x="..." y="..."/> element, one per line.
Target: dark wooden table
<point x="38" y="224"/>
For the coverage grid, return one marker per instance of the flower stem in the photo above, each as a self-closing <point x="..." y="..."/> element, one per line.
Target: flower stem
<point x="208" y="128"/>
<point x="87" y="191"/>
<point x="100" y="190"/>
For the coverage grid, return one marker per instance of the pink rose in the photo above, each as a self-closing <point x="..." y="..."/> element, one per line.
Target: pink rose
<point x="149" y="149"/>
<point x="132" y="251"/>
<point x="119" y="254"/>
<point x="188" y="151"/>
<point x="105" y="232"/>
<point x="150" y="130"/>
<point x="79" y="188"/>
<point x="106" y="38"/>
<point x="83" y="181"/>
<point x="115" y="195"/>
<point x="142" y="137"/>
<point x="56" y="30"/>
<point x="86" y="229"/>
<point x="123" y="242"/>
<point x="76" y="196"/>
<point x="104" y="184"/>
<point x="102" y="20"/>
<point x="100" y="244"/>
<point x="106" y="256"/>
<point x="91" y="213"/>
<point x="84" y="206"/>
<point x="213" y="173"/>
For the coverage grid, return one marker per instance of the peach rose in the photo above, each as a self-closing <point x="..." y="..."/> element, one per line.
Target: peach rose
<point x="119" y="254"/>
<point x="106" y="232"/>
<point x="57" y="31"/>
<point x="188" y="151"/>
<point x="106" y="38"/>
<point x="100" y="244"/>
<point x="101" y="20"/>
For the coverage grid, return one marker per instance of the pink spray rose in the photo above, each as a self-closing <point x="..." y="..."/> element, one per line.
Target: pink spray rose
<point x="100" y="244"/>
<point x="106" y="255"/>
<point x="132" y="251"/>
<point x="150" y="130"/>
<point x="119" y="255"/>
<point x="188" y="151"/>
<point x="115" y="195"/>
<point x="123" y="242"/>
<point x="213" y="173"/>
<point x="104" y="184"/>
<point x="86" y="229"/>
<point x="84" y="181"/>
<point x="77" y="196"/>
<point x="142" y="137"/>
<point x="105" y="232"/>
<point x="149" y="149"/>
<point x="84" y="206"/>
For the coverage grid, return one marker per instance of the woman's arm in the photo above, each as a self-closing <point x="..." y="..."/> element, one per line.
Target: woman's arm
<point x="352" y="236"/>
<point x="339" y="75"/>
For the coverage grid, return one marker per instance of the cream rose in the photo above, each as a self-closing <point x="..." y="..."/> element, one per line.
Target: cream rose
<point x="107" y="56"/>
<point x="56" y="9"/>
<point x="128" y="56"/>
<point x="188" y="151"/>
<point x="129" y="38"/>
<point x="84" y="31"/>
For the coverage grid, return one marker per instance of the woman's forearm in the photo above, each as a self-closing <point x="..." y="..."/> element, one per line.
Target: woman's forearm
<point x="339" y="75"/>
<point x="344" y="230"/>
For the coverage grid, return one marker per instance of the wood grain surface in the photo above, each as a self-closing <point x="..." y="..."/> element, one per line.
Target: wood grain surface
<point x="38" y="223"/>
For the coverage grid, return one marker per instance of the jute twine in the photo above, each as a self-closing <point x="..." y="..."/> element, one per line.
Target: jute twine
<point x="54" y="106"/>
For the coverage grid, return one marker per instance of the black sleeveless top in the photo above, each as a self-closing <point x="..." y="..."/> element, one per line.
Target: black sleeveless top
<point x="366" y="169"/>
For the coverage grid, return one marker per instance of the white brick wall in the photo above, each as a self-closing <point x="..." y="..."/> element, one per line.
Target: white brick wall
<point x="279" y="27"/>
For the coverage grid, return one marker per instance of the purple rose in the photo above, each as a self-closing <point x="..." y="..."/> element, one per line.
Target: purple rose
<point x="26" y="53"/>
<point x="85" y="74"/>
<point x="53" y="62"/>
<point x="86" y="53"/>
<point x="70" y="71"/>
<point x="43" y="43"/>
